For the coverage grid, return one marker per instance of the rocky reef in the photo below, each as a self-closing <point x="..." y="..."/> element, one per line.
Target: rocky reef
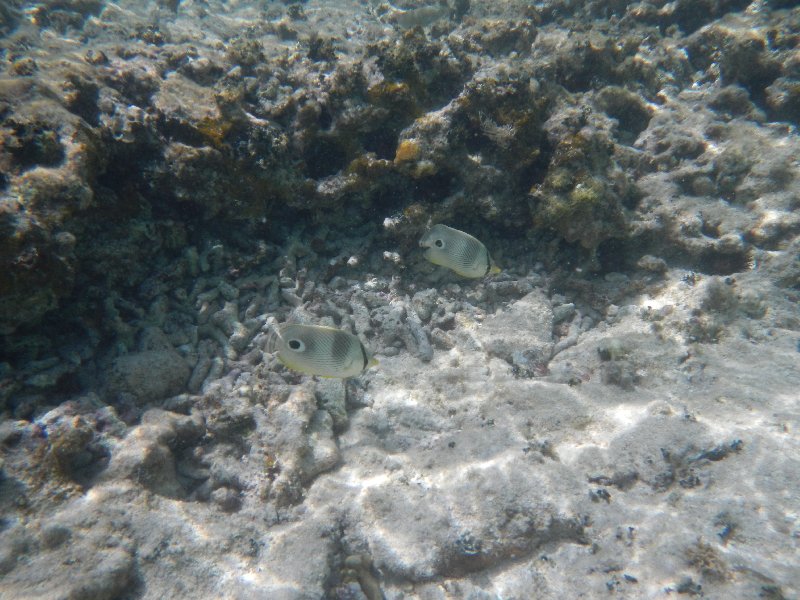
<point x="612" y="413"/>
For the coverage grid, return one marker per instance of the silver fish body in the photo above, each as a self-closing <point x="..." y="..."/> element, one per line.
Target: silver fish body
<point x="317" y="350"/>
<point x="458" y="251"/>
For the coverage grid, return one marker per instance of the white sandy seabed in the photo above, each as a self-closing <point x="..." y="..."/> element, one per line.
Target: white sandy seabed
<point x="639" y="464"/>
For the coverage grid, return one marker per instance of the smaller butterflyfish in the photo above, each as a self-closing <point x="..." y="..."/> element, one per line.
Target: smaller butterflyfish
<point x="458" y="251"/>
<point x="318" y="350"/>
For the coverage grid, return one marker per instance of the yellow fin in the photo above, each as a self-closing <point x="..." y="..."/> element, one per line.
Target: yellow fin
<point x="439" y="262"/>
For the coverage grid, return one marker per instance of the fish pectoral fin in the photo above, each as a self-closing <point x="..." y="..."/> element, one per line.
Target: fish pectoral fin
<point x="436" y="261"/>
<point x="295" y="367"/>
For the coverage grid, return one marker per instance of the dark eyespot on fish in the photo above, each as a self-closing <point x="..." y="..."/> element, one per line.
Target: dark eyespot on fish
<point x="317" y="350"/>
<point x="458" y="251"/>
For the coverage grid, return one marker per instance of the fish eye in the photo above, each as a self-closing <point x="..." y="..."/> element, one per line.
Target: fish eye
<point x="439" y="243"/>
<point x="296" y="345"/>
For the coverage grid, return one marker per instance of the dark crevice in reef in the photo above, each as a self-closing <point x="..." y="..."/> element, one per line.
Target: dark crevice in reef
<point x="435" y="187"/>
<point x="325" y="156"/>
<point x="383" y="142"/>
<point x="617" y="255"/>
<point x="691" y="15"/>
<point x="35" y="144"/>
<point x="180" y="131"/>
<point x="622" y="255"/>
<point x="715" y="262"/>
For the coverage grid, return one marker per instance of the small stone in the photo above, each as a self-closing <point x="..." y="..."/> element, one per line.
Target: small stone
<point x="228" y="291"/>
<point x="563" y="312"/>
<point x="11" y="432"/>
<point x="227" y="499"/>
<point x="652" y="264"/>
<point x="55" y="535"/>
<point x="24" y="66"/>
<point x="150" y="375"/>
<point x="111" y="575"/>
<point x="612" y="349"/>
<point x="332" y="397"/>
<point x="95" y="57"/>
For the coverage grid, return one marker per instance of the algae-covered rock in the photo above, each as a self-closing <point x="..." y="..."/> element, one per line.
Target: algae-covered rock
<point x="149" y="453"/>
<point x="741" y="54"/>
<point x="88" y="572"/>
<point x="582" y="196"/>
<point x="783" y="99"/>
<point x="49" y="158"/>
<point x="627" y="108"/>
<point x="302" y="440"/>
<point x="62" y="15"/>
